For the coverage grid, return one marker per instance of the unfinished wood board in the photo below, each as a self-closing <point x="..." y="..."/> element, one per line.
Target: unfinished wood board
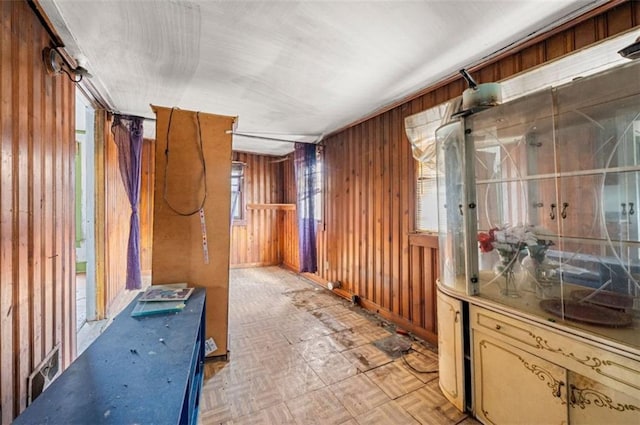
<point x="178" y="254"/>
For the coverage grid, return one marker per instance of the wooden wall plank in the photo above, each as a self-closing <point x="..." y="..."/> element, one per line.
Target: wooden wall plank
<point x="395" y="240"/>
<point x="369" y="211"/>
<point x="378" y="235"/>
<point x="21" y="201"/>
<point x="7" y="343"/>
<point x="146" y="204"/>
<point x="35" y="205"/>
<point x="37" y="253"/>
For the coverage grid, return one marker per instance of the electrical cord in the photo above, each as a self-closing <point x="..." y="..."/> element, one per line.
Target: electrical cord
<point x="413" y="368"/>
<point x="166" y="166"/>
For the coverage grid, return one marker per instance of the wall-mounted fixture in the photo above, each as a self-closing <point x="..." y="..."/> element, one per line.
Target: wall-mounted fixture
<point x="632" y="51"/>
<point x="55" y="62"/>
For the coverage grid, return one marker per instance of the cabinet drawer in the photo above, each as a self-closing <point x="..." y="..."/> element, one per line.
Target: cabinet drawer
<point x="617" y="371"/>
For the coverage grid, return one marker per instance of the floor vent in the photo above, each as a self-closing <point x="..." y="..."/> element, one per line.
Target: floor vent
<point x="44" y="374"/>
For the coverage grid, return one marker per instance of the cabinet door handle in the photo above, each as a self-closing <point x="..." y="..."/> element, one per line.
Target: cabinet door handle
<point x="559" y="389"/>
<point x="552" y="214"/>
<point x="631" y="210"/>
<point x="563" y="213"/>
<point x="498" y="327"/>
<point x="460" y="209"/>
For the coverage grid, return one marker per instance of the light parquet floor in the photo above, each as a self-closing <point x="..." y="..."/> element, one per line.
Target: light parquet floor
<point x="299" y="355"/>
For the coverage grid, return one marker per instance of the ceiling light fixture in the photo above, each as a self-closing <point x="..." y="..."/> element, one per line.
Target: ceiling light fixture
<point x="632" y="51"/>
<point x="56" y="63"/>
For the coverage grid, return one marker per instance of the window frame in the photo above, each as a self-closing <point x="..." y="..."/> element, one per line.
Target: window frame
<point x="241" y="205"/>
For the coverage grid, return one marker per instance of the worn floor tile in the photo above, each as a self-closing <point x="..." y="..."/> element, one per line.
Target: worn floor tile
<point x="278" y="414"/>
<point x="387" y="414"/>
<point x="429" y="406"/>
<point x="367" y="357"/>
<point x="394" y="380"/>
<point x="333" y="368"/>
<point x="318" y="348"/>
<point x="318" y="407"/>
<point x="422" y="366"/>
<point x="297" y="381"/>
<point x="359" y="394"/>
<point x="348" y="339"/>
<point x="301" y="355"/>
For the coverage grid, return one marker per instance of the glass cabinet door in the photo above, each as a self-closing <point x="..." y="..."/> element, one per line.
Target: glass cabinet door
<point x="515" y="187"/>
<point x="451" y="235"/>
<point x="598" y="157"/>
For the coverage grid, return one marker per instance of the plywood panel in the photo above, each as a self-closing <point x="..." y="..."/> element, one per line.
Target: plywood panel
<point x="177" y="240"/>
<point x="37" y="255"/>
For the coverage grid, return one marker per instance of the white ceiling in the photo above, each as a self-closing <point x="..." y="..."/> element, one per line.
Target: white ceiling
<point x="294" y="70"/>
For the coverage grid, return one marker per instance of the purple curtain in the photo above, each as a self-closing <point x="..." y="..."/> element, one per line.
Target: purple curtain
<point x="127" y="132"/>
<point x="306" y="174"/>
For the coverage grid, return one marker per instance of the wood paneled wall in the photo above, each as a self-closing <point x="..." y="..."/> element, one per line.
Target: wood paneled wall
<point x="256" y="240"/>
<point x="37" y="230"/>
<point x="369" y="187"/>
<point x="146" y="204"/>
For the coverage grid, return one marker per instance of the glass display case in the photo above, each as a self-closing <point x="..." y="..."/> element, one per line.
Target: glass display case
<point x="538" y="204"/>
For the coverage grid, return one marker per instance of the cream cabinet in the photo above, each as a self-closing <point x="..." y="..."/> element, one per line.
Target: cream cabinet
<point x="450" y="349"/>
<point x="525" y="374"/>
<point x="511" y="385"/>
<point x="592" y="403"/>
<point x="539" y="237"/>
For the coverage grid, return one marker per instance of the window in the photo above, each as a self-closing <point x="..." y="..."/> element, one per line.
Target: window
<point x="426" y="199"/>
<point x="237" y="192"/>
<point x="421" y="130"/>
<point x="310" y="173"/>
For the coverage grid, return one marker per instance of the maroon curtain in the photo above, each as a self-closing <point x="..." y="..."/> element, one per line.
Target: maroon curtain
<point x="306" y="175"/>
<point x="128" y="134"/>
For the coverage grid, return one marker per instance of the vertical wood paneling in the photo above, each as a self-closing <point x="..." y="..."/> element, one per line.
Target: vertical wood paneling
<point x="256" y="241"/>
<point x="7" y="376"/>
<point x="370" y="187"/>
<point x="37" y="255"/>
<point x="146" y="204"/>
<point x="21" y="207"/>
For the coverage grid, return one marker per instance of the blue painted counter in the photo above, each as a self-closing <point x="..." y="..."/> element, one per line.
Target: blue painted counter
<point x="145" y="370"/>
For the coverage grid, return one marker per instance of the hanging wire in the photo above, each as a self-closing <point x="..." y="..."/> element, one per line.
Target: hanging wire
<point x="202" y="162"/>
<point x="412" y="367"/>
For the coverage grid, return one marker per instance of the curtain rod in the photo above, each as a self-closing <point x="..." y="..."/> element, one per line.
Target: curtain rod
<point x="128" y="117"/>
<point x="251" y="136"/>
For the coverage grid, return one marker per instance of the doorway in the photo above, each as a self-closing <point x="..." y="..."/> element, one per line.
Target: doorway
<point x="85" y="213"/>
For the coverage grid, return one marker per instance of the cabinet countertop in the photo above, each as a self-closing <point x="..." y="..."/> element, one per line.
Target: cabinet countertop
<point x="625" y="341"/>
